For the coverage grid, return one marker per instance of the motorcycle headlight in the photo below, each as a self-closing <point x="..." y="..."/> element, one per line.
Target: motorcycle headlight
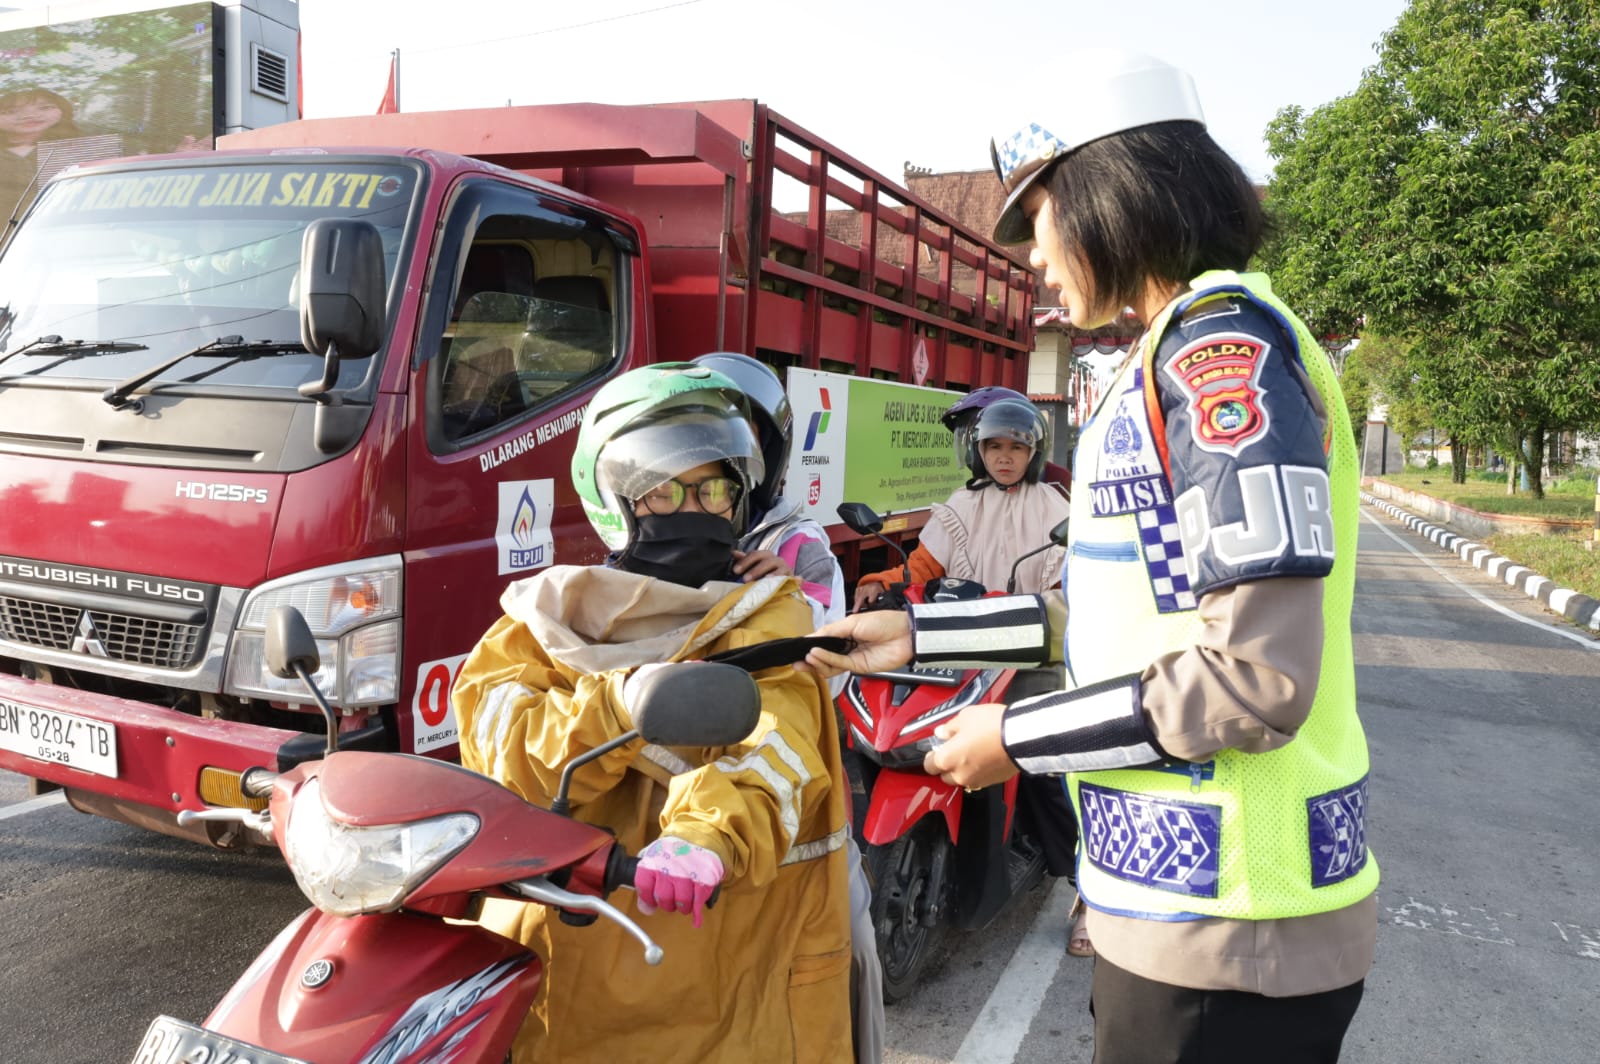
<point x="908" y="752"/>
<point x="858" y="702"/>
<point x="354" y="611"/>
<point x="346" y="870"/>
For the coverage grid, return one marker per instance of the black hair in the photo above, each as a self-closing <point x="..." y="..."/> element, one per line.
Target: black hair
<point x="1161" y="202"/>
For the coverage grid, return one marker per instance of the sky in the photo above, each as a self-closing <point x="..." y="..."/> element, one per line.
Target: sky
<point x="887" y="81"/>
<point x="884" y="80"/>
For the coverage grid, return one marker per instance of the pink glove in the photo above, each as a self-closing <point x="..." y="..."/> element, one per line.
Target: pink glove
<point x="677" y="876"/>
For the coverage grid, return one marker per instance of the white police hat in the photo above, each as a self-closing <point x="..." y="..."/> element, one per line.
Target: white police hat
<point x="1113" y="90"/>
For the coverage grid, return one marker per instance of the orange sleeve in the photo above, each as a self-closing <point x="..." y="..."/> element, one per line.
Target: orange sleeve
<point x="924" y="567"/>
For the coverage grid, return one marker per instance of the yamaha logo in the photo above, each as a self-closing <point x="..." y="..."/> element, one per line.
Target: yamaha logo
<point x="316" y="973"/>
<point x="86" y="640"/>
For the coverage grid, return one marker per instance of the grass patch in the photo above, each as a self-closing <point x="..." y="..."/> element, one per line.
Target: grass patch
<point x="1566" y="498"/>
<point x="1562" y="558"/>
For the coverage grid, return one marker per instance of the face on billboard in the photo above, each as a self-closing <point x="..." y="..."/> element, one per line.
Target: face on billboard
<point x="98" y="88"/>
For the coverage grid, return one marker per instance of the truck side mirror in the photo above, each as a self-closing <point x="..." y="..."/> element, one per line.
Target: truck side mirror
<point x="341" y="288"/>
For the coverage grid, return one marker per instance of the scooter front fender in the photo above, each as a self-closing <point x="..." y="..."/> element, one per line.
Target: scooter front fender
<point x="383" y="988"/>
<point x="900" y="799"/>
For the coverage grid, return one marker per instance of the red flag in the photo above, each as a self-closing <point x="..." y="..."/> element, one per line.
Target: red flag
<point x="391" y="93"/>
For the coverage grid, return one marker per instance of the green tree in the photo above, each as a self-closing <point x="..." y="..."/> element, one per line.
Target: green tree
<point x="1453" y="202"/>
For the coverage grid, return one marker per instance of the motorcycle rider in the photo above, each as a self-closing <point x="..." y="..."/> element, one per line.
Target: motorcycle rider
<point x="1209" y="733"/>
<point x="1005" y="509"/>
<point x="666" y="460"/>
<point x="1002" y="439"/>
<point x="781" y="539"/>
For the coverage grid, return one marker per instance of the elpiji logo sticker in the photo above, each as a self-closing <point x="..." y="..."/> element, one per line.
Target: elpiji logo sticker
<point x="1220" y="374"/>
<point x="522" y="529"/>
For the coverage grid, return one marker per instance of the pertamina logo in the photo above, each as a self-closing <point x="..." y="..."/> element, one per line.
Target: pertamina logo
<point x="819" y="421"/>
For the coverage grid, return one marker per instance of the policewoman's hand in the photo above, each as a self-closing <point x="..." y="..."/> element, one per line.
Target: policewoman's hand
<point x="882" y="640"/>
<point x="972" y="754"/>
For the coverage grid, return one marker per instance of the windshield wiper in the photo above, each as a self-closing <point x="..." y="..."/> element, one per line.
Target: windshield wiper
<point x="237" y="346"/>
<point x="70" y="350"/>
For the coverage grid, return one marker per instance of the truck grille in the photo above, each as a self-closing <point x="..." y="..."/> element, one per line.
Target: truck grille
<point x="113" y="636"/>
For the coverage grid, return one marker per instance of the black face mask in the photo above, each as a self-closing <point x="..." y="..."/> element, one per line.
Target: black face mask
<point x="686" y="548"/>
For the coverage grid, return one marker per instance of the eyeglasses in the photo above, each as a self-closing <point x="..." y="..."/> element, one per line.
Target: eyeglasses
<point x="715" y="495"/>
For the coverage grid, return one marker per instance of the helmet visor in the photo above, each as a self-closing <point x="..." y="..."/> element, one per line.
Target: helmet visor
<point x="675" y="439"/>
<point x="1010" y="420"/>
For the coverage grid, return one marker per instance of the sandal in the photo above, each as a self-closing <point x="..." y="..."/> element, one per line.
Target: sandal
<point x="1078" y="944"/>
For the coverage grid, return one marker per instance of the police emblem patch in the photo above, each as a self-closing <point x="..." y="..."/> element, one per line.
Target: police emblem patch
<point x="1220" y="375"/>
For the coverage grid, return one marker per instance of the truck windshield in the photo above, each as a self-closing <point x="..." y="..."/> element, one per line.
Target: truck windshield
<point x="150" y="263"/>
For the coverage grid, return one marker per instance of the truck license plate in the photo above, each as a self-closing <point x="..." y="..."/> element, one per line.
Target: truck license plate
<point x="62" y="738"/>
<point x="170" y="1041"/>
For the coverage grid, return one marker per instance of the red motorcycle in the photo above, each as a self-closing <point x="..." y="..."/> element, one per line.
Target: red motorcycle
<point x="938" y="857"/>
<point x="394" y="851"/>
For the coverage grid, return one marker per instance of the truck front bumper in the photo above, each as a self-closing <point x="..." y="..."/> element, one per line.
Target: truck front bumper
<point x="128" y="755"/>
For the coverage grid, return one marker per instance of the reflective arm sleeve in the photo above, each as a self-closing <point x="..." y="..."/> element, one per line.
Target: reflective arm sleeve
<point x="1098" y="727"/>
<point x="997" y="630"/>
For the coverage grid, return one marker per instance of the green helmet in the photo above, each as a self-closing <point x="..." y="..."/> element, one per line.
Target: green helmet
<point x="651" y="424"/>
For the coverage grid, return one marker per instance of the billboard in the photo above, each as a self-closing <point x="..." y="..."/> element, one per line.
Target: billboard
<point x="78" y="89"/>
<point x="900" y="456"/>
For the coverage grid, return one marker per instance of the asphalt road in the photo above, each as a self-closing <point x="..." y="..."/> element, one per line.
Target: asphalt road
<point x="1483" y="714"/>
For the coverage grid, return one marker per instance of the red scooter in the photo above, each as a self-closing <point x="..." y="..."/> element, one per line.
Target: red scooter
<point x="394" y="851"/>
<point x="938" y="857"/>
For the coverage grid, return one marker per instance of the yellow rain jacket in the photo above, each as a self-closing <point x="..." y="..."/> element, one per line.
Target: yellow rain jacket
<point x="766" y="978"/>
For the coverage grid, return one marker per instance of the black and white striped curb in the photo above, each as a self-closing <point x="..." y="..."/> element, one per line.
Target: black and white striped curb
<point x="1572" y="605"/>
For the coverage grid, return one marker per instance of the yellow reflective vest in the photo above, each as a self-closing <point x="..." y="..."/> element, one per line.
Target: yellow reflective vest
<point x="1245" y="836"/>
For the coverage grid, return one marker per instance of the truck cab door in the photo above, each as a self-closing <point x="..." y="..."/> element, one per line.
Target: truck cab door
<point x="527" y="313"/>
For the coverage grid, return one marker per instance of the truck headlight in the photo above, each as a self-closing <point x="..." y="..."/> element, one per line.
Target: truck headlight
<point x="345" y="870"/>
<point x="354" y="611"/>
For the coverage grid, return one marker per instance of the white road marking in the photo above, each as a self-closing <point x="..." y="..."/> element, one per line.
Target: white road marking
<point x="32" y="805"/>
<point x="1581" y="640"/>
<point x="1003" y="1023"/>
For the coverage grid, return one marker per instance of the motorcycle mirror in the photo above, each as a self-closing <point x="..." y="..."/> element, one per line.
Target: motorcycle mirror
<point x="290" y="645"/>
<point x="1058" y="538"/>
<point x="696" y="703"/>
<point x="291" y="650"/>
<point x="864" y="521"/>
<point x="860" y="518"/>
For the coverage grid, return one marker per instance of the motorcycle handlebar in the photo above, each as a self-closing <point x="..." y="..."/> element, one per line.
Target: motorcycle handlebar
<point x="257" y="782"/>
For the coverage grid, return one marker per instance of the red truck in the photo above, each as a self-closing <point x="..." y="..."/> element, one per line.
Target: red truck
<point x="311" y="369"/>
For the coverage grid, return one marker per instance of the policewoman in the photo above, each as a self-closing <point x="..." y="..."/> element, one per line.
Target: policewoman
<point x="1209" y="733"/>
